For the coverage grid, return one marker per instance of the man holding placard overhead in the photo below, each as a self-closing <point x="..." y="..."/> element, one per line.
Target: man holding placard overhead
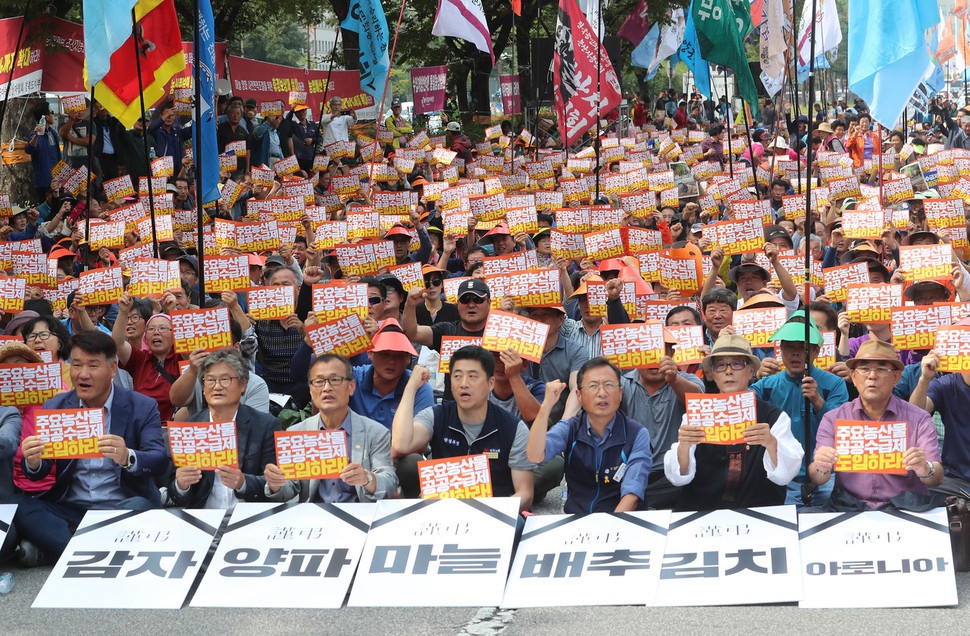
<point x="733" y="451"/>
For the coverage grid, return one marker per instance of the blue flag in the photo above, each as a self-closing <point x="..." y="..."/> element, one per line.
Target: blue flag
<point x="367" y="19"/>
<point x="642" y="55"/>
<point x="206" y="150"/>
<point x="887" y="52"/>
<point x="690" y="54"/>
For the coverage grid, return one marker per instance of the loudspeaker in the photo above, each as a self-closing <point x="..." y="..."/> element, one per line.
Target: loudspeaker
<point x="542" y="49"/>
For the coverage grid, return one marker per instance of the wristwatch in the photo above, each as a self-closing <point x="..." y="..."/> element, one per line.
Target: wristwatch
<point x="131" y="460"/>
<point x="929" y="474"/>
<point x="370" y="478"/>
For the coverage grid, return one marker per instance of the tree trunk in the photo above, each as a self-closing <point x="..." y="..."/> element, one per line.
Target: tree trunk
<point x="481" y="105"/>
<point x="523" y="51"/>
<point x="17" y="179"/>
<point x="460" y="74"/>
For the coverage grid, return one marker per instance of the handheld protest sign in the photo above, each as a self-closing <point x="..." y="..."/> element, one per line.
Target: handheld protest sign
<point x="633" y="346"/>
<point x="724" y="417"/>
<point x="504" y="330"/>
<point x="345" y="336"/>
<point x="103" y="286"/>
<point x="205" y="445"/>
<point x="201" y="329"/>
<point x="26" y="384"/>
<point x="70" y="433"/>
<point x="465" y="477"/>
<point x="873" y="303"/>
<point x="953" y="346"/>
<point x="272" y="302"/>
<point x="311" y="454"/>
<point x="451" y="344"/>
<point x="226" y="273"/>
<point x="870" y="447"/>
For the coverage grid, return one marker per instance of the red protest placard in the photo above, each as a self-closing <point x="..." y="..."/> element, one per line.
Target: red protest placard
<point x="311" y="454"/>
<point x="872" y="303"/>
<point x="953" y="346"/>
<point x="201" y="329"/>
<point x="12" y="294"/>
<point x="110" y="234"/>
<point x="504" y="330"/>
<point x="70" y="433"/>
<point x="365" y="258"/>
<point x="226" y="273"/>
<point x="941" y="213"/>
<point x="511" y="262"/>
<point x="863" y="224"/>
<point x="597" y="297"/>
<point x="690" y="339"/>
<point x="337" y="299"/>
<point x="465" y="477"/>
<point x="915" y="327"/>
<point x="100" y="286"/>
<point x="204" y="445"/>
<point x="723" y="416"/>
<point x="740" y="237"/>
<point x="530" y="288"/>
<point x="273" y="302"/>
<point x="451" y="344"/>
<point x="864" y="446"/>
<point x="758" y="325"/>
<point x="633" y="346"/>
<point x="409" y="274"/>
<point x="603" y="244"/>
<point x="637" y="240"/>
<point x="345" y="336"/>
<point x="680" y="270"/>
<point x="838" y="279"/>
<point x="926" y="262"/>
<point x="152" y="277"/>
<point x="26" y="384"/>
<point x="488" y="207"/>
<point x="35" y="269"/>
<point x="897" y="190"/>
<point x="118" y="188"/>
<point x="569" y="245"/>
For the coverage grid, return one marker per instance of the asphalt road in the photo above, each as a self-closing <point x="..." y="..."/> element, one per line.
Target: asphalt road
<point x="17" y="617"/>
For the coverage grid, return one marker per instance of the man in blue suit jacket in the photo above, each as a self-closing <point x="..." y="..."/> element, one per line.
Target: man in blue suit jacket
<point x="132" y="449"/>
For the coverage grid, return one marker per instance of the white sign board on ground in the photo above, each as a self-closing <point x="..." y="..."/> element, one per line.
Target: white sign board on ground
<point x="597" y="559"/>
<point x="283" y="555"/>
<point x="7" y="511"/>
<point x="131" y="560"/>
<point x="877" y="559"/>
<point x="731" y="557"/>
<point x="436" y="553"/>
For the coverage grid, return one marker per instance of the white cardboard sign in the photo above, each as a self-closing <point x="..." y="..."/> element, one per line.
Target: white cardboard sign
<point x="597" y="559"/>
<point x="436" y="553"/>
<point x="284" y="555"/>
<point x="131" y="560"/>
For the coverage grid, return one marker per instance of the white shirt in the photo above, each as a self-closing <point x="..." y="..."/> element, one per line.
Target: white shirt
<point x="336" y="128"/>
<point x="790" y="455"/>
<point x="220" y="497"/>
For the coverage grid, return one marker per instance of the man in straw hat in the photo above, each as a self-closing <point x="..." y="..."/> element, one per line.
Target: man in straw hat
<point x="789" y="388"/>
<point x="875" y="371"/>
<point x="755" y="473"/>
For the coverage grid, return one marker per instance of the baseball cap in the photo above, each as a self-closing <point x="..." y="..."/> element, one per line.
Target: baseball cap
<point x="453" y="126"/>
<point x="474" y="286"/>
<point x="275" y="260"/>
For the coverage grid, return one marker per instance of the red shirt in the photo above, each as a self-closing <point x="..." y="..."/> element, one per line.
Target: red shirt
<point x="149" y="382"/>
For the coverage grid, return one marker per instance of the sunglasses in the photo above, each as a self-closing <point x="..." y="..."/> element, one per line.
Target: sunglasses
<point x="374" y="300"/>
<point x="434" y="281"/>
<point x="472" y="298"/>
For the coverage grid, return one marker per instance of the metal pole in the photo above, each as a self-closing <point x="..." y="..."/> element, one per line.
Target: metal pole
<point x="13" y="65"/>
<point x="599" y="77"/>
<point x="197" y="155"/>
<point x="727" y="121"/>
<point x="144" y="136"/>
<point x="87" y="181"/>
<point x="809" y="221"/>
<point x="747" y="130"/>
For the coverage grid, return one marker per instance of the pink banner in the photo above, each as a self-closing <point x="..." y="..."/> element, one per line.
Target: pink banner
<point x="25" y="62"/>
<point x="511" y="104"/>
<point x="267" y="82"/>
<point x="428" y="88"/>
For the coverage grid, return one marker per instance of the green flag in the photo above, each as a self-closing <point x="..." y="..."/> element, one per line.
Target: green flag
<point x="721" y="28"/>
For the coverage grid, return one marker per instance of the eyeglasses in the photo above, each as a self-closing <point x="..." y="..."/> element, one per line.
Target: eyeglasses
<point x="434" y="281"/>
<point x="374" y="300"/>
<point x="335" y="381"/>
<point x="880" y="371"/>
<point x="736" y="365"/>
<point x="158" y="330"/>
<point x="471" y="298"/>
<point x="40" y="335"/>
<point x="609" y="385"/>
<point x="220" y="382"/>
<point x="134" y="317"/>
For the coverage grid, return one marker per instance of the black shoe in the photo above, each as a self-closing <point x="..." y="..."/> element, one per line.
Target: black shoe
<point x="27" y="554"/>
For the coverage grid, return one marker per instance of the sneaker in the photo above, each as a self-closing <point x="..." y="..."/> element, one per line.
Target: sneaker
<point x="27" y="554"/>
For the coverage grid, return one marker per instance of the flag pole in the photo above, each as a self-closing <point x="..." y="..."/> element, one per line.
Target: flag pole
<point x="599" y="79"/>
<point x="793" y="79"/>
<point x="87" y="181"/>
<point x="808" y="252"/>
<point x="727" y="120"/>
<point x="333" y="54"/>
<point x="747" y="130"/>
<point x="387" y="79"/>
<point x="144" y="136"/>
<point x="196" y="155"/>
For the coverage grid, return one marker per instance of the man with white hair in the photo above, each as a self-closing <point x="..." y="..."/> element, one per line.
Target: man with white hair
<point x="336" y="124"/>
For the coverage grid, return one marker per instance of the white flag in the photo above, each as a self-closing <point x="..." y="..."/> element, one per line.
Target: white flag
<point x="775" y="38"/>
<point x="671" y="36"/>
<point x="464" y="19"/>
<point x="828" y="32"/>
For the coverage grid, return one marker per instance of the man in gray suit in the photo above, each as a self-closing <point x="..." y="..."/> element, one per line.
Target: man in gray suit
<point x="370" y="474"/>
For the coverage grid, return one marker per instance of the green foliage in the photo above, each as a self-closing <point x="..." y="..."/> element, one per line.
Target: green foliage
<point x="280" y="43"/>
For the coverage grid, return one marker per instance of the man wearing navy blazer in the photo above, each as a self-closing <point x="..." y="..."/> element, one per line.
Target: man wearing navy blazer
<point x="224" y="377"/>
<point x="132" y="450"/>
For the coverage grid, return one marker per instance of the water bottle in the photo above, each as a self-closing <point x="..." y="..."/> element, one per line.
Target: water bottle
<point x="6" y="582"/>
<point x="151" y="154"/>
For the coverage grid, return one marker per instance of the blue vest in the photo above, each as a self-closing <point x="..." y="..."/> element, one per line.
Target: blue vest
<point x="590" y="467"/>
<point x="495" y="440"/>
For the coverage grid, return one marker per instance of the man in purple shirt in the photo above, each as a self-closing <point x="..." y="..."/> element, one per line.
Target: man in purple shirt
<point x="875" y="371"/>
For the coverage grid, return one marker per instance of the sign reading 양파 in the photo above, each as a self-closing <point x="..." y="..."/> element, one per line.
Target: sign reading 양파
<point x="876" y="559"/>
<point x="131" y="560"/>
<point x="731" y="557"/>
<point x="285" y="555"/>
<point x="441" y="553"/>
<point x="597" y="559"/>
